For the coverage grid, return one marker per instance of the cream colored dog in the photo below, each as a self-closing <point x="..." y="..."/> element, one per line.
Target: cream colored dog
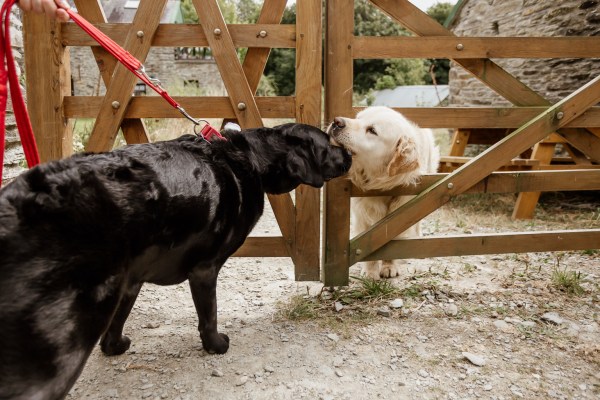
<point x="388" y="151"/>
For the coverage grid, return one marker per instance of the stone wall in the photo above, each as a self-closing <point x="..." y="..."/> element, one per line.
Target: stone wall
<point x="14" y="159"/>
<point x="160" y="63"/>
<point x="552" y="78"/>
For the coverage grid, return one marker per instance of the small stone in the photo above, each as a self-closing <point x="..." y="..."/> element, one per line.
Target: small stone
<point x="451" y="310"/>
<point x="553" y="318"/>
<point x="384" y="312"/>
<point x="242" y="381"/>
<point x="502" y="325"/>
<point x="487" y="387"/>
<point x="528" y="324"/>
<point x="338" y="306"/>
<point x="474" y="359"/>
<point x="397" y="303"/>
<point x="217" y="373"/>
<point x="269" y="369"/>
<point x="151" y="325"/>
<point x="339" y="373"/>
<point x="423" y="374"/>
<point x="333" y="336"/>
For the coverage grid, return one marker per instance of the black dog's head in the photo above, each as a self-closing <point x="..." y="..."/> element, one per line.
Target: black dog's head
<point x="292" y="154"/>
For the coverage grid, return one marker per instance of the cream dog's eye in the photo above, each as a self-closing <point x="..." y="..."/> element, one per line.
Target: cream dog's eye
<point x="372" y="131"/>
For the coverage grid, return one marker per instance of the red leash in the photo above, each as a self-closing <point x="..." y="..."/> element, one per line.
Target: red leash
<point x="8" y="73"/>
<point x="24" y="124"/>
<point x="137" y="68"/>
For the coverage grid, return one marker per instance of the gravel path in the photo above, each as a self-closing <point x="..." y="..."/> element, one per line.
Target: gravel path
<point x="491" y="327"/>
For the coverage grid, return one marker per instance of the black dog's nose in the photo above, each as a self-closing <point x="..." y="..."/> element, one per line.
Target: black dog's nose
<point x="338" y="122"/>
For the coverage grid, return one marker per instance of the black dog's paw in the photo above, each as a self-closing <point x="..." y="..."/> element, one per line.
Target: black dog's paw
<point x="115" y="347"/>
<point x="216" y="344"/>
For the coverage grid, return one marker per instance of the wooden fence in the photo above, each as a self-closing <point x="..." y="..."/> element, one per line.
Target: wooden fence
<point x="574" y="120"/>
<point x="52" y="106"/>
<point x="533" y="118"/>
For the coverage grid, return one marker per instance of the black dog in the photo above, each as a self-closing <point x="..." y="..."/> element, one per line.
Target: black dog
<point x="79" y="237"/>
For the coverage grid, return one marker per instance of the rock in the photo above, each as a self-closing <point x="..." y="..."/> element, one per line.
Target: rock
<point x="451" y="310"/>
<point x="333" y="337"/>
<point x="474" y="359"/>
<point x="528" y="324"/>
<point x="269" y="369"/>
<point x="487" y="387"/>
<point x="397" y="303"/>
<point x="339" y="373"/>
<point x="384" y="311"/>
<point x="217" y="373"/>
<point x="242" y="381"/>
<point x="423" y="374"/>
<point x="553" y="318"/>
<point x="338" y="306"/>
<point x="502" y="325"/>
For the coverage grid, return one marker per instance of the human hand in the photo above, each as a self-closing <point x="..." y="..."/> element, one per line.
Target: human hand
<point x="52" y="8"/>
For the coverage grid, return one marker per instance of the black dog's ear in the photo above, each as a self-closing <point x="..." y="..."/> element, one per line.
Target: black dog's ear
<point x="304" y="168"/>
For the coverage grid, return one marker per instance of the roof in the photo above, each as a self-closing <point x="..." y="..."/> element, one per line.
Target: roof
<point x="122" y="11"/>
<point x="411" y="96"/>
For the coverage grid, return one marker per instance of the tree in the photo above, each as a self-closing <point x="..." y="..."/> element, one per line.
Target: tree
<point x="281" y="66"/>
<point x="438" y="68"/>
<point x="388" y="73"/>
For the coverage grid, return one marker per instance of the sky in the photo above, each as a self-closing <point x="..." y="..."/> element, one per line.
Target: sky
<point x="425" y="4"/>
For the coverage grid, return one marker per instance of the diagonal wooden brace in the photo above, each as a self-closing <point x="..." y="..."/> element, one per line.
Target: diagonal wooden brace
<point x="118" y="94"/>
<point x="242" y="101"/>
<point x="133" y="129"/>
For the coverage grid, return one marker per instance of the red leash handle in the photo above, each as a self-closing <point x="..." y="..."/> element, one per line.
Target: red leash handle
<point x="20" y="109"/>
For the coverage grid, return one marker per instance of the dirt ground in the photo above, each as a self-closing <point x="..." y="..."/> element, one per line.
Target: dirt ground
<point x="526" y="336"/>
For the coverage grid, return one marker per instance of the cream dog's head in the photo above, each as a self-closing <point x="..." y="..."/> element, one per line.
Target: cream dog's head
<point x="386" y="147"/>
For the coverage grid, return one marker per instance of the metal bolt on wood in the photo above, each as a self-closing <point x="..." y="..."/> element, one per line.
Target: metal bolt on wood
<point x="217" y="32"/>
<point x="116" y="104"/>
<point x="460" y="47"/>
<point x="358" y="252"/>
<point x="450" y="185"/>
<point x="560" y="115"/>
<point x="140" y="34"/>
<point x="241" y="106"/>
<point x="262" y="34"/>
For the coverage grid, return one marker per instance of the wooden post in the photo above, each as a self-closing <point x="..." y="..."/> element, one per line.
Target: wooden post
<point x="338" y="101"/>
<point x="48" y="81"/>
<point x="308" y="111"/>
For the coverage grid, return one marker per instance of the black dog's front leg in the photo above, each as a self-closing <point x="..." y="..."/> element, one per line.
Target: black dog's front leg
<point x="113" y="341"/>
<point x="203" y="283"/>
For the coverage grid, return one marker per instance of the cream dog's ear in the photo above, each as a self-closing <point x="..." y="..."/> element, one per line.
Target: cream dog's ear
<point x="405" y="157"/>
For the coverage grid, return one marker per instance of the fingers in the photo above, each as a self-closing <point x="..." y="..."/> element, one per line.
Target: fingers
<point x="52" y="8"/>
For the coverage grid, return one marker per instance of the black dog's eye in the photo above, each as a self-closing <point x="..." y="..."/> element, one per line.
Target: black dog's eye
<point x="372" y="131"/>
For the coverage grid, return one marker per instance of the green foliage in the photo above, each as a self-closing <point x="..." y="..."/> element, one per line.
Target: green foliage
<point x="382" y="74"/>
<point x="437" y="69"/>
<point x="440" y="12"/>
<point x="281" y="66"/>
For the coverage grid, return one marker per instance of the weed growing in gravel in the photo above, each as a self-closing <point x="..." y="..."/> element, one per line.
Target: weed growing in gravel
<point x="568" y="281"/>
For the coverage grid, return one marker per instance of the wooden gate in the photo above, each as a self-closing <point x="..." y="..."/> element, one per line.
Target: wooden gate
<point x="533" y="115"/>
<point x="51" y="104"/>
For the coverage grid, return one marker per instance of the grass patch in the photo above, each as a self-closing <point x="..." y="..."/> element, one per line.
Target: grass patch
<point x="568" y="281"/>
<point x="359" y="302"/>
